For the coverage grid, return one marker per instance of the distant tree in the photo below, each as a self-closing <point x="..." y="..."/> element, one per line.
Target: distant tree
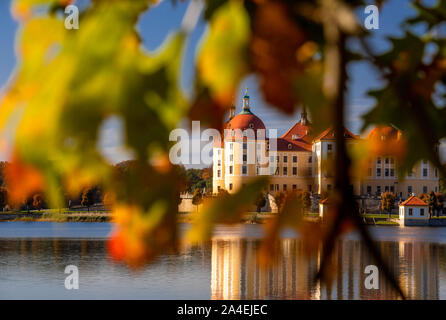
<point x="108" y="199"/>
<point x="3" y="165"/>
<point x="432" y="202"/>
<point x="424" y="197"/>
<point x="279" y="199"/>
<point x="440" y="203"/>
<point x="28" y="203"/>
<point x="387" y="202"/>
<point x="3" y="197"/>
<point x="206" y="176"/>
<point x="87" y="198"/>
<point x="37" y="201"/>
<point x="305" y="197"/>
<point x="260" y="202"/>
<point x="197" y="199"/>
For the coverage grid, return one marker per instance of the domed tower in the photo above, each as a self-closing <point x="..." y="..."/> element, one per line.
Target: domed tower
<point x="236" y="161"/>
<point x="245" y="119"/>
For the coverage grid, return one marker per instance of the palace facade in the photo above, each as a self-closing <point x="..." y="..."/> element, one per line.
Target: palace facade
<point x="300" y="159"/>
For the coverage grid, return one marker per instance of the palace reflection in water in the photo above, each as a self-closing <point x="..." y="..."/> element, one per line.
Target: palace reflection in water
<point x="221" y="269"/>
<point x="236" y="273"/>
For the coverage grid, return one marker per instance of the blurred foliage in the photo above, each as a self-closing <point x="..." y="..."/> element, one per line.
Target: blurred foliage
<point x="68" y="82"/>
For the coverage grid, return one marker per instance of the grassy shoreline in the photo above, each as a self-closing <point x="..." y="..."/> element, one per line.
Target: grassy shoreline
<point x="65" y="215"/>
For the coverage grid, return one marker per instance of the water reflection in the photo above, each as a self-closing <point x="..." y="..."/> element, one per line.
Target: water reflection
<point x="236" y="273"/>
<point x="221" y="269"/>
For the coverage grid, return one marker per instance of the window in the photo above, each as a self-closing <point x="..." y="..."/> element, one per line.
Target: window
<point x="285" y="159"/>
<point x="230" y="186"/>
<point x="244" y="170"/>
<point x="409" y="190"/>
<point x="386" y="189"/>
<point x="410" y="211"/>
<point x="285" y="171"/>
<point x="424" y="189"/>
<point x="219" y="162"/>
<point x="421" y="212"/>
<point x="218" y="188"/>
<point x="245" y="146"/>
<point x="386" y="172"/>
<point x="329" y="147"/>
<point x="369" y="189"/>
<point x="231" y="146"/>
<point x="271" y="187"/>
<point x="218" y="173"/>
<point x="387" y="160"/>
<point x="378" y="172"/>
<point x="294" y="187"/>
<point x="245" y="157"/>
<point x="295" y="159"/>
<point x="290" y="146"/>
<point x="378" y="161"/>
<point x="230" y="169"/>
<point x="392" y="172"/>
<point x="310" y="159"/>
<point x="294" y="171"/>
<point x="378" y="189"/>
<point x="284" y="187"/>
<point x="392" y="189"/>
<point x="231" y="157"/>
<point x="424" y="172"/>
<point x="277" y="158"/>
<point x="277" y="187"/>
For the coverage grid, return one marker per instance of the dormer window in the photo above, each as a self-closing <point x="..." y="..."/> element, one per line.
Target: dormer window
<point x="251" y="125"/>
<point x="295" y="137"/>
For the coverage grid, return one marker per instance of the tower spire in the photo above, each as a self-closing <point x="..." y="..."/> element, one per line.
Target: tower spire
<point x="303" y="116"/>
<point x="232" y="110"/>
<point x="246" y="101"/>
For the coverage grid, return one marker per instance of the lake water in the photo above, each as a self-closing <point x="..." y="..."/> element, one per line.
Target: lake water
<point x="33" y="257"/>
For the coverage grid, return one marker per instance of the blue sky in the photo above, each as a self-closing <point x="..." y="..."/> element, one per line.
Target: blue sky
<point x="158" y="22"/>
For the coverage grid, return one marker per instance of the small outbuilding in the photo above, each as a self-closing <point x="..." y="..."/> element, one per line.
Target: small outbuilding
<point x="325" y="206"/>
<point x="414" y="212"/>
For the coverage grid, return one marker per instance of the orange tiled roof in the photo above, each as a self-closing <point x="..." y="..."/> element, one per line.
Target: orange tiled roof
<point x="296" y="145"/>
<point x="243" y="121"/>
<point x="328" y="134"/>
<point x="300" y="132"/>
<point x="326" y="201"/>
<point x="413" y="201"/>
<point x="384" y="132"/>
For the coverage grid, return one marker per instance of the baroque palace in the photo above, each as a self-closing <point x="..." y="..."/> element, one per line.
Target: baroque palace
<point x="298" y="160"/>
